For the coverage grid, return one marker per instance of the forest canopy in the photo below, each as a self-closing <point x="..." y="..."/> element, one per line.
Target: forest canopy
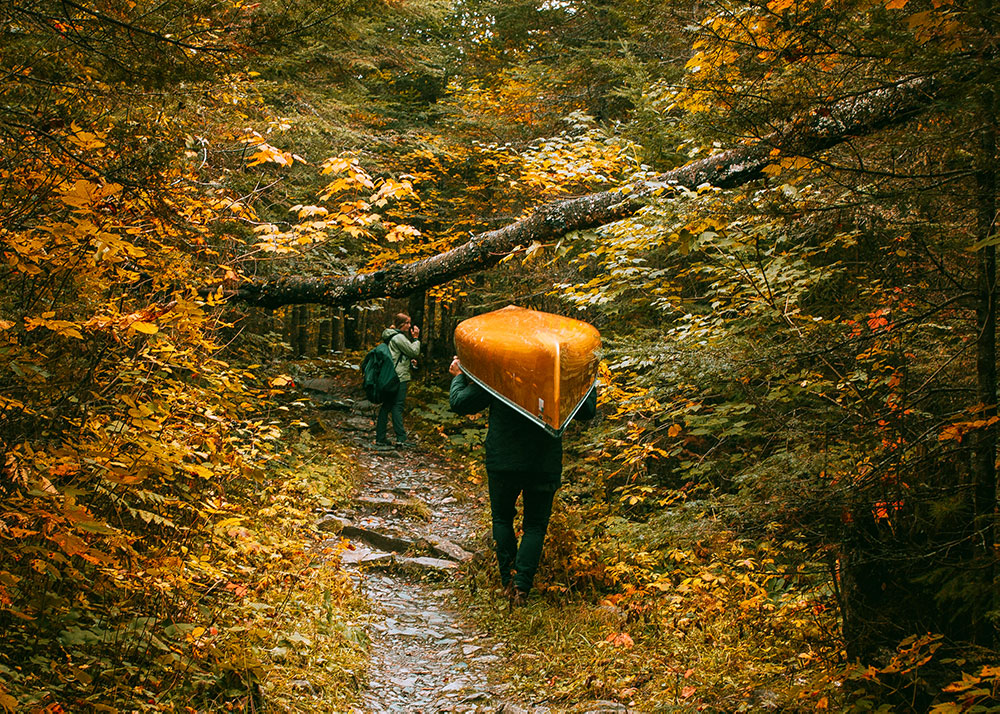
<point x="781" y="216"/>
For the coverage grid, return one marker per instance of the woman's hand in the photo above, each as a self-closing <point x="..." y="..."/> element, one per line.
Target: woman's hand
<point x="456" y="367"/>
<point x="414" y="331"/>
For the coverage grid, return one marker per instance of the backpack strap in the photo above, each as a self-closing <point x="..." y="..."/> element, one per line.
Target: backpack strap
<point x="388" y="340"/>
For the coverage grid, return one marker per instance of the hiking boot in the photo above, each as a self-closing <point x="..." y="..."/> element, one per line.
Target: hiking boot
<point x="406" y="445"/>
<point x="518" y="598"/>
<point x="382" y="446"/>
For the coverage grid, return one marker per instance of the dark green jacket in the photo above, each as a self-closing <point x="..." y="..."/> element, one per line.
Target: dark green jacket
<point x="513" y="442"/>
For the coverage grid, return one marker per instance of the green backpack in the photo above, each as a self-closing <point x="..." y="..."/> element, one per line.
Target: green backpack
<point x="378" y="375"/>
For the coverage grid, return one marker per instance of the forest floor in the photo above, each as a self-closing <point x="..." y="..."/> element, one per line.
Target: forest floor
<point x="414" y="534"/>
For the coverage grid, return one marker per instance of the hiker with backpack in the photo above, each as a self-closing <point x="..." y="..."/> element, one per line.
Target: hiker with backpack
<point x="404" y="348"/>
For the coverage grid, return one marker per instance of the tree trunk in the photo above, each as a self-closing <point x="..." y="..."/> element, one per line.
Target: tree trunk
<point x="338" y="330"/>
<point x="302" y="330"/>
<point x="985" y="445"/>
<point x="801" y="136"/>
<point x="351" y="329"/>
<point x="431" y="338"/>
<point x="324" y="340"/>
<point x="363" y="337"/>
<point x="415" y="309"/>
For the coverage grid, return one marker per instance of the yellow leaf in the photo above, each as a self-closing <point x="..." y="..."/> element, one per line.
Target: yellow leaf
<point x="674" y="430"/>
<point x="147" y="328"/>
<point x="8" y="702"/>
<point x="85" y="139"/>
<point x="896" y="4"/>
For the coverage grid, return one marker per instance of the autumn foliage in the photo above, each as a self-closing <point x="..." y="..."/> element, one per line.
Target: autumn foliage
<point x="790" y="498"/>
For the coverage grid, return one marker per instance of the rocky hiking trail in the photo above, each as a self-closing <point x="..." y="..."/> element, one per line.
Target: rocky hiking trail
<point x="414" y="528"/>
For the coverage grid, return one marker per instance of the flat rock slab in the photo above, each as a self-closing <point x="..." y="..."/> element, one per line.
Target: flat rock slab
<point x="417" y="566"/>
<point x="389" y="504"/>
<point x="316" y="384"/>
<point x="332" y="524"/>
<point x="382" y="541"/>
<point x="427" y="563"/>
<point x="360" y="555"/>
<point x="600" y="707"/>
<point x="356" y="424"/>
<point x="446" y="549"/>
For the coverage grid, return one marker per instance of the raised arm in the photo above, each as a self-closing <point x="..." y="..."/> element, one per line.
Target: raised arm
<point x="465" y="396"/>
<point x="406" y="346"/>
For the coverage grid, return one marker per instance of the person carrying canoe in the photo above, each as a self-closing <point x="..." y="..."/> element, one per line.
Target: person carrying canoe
<point x="404" y="347"/>
<point x="522" y="459"/>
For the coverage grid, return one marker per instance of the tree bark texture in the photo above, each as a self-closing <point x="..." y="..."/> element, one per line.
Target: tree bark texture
<point x="985" y="444"/>
<point x="804" y="135"/>
<point x="338" y="330"/>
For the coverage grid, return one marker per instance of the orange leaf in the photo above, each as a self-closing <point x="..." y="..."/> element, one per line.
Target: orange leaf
<point x="621" y="639"/>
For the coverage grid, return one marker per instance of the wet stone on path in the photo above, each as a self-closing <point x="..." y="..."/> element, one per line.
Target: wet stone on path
<point x="424" y="659"/>
<point x="408" y="536"/>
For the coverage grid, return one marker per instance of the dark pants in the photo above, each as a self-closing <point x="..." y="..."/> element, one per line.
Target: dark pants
<point x="537" y="492"/>
<point x="394" y="409"/>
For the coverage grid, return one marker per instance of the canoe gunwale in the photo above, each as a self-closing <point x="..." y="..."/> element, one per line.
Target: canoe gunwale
<point x="524" y="412"/>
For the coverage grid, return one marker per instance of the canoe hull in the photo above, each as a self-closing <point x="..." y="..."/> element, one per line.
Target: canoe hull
<point x="542" y="365"/>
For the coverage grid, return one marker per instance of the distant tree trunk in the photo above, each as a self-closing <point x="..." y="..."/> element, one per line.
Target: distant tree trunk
<point x="351" y="340"/>
<point x="861" y="600"/>
<point x="417" y="317"/>
<point x="286" y="325"/>
<point x="277" y="327"/>
<point x="363" y="337"/>
<point x="338" y="330"/>
<point x="415" y="309"/>
<point x="985" y="444"/>
<point x="302" y="330"/>
<point x="324" y="340"/>
<point x="431" y="336"/>
<point x="447" y="330"/>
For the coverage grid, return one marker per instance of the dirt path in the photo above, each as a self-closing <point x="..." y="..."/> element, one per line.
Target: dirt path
<point x="415" y="533"/>
<point x="425" y="656"/>
<point x="411" y="530"/>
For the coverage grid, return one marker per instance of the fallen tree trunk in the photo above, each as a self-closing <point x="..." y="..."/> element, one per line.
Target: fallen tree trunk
<point x="805" y="135"/>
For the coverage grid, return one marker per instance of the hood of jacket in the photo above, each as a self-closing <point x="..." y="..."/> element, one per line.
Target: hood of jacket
<point x="390" y="332"/>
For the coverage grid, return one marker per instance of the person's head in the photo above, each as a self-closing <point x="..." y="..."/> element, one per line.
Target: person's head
<point x="401" y="321"/>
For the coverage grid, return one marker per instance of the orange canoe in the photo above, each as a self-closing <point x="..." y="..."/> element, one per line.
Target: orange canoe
<point x="540" y="364"/>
